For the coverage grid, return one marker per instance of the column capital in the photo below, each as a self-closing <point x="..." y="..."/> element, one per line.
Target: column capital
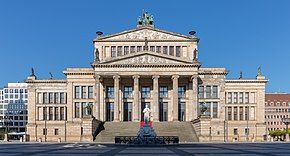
<point x="136" y="76"/>
<point x="155" y="77"/>
<point x="116" y="77"/>
<point x="175" y="76"/>
<point x="193" y="77"/>
<point x="98" y="78"/>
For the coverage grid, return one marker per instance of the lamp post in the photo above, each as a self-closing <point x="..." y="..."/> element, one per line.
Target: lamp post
<point x="248" y="115"/>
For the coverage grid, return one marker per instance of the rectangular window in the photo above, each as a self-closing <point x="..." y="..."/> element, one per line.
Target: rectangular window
<point x="145" y="92"/>
<point x="45" y="97"/>
<point x="171" y="50"/>
<point x="139" y="48"/>
<point x="230" y="96"/>
<point x="90" y="95"/>
<point x="158" y="49"/>
<point x="126" y="50"/>
<point x="128" y="90"/>
<point x="132" y="49"/>
<point x="56" y="131"/>
<point x="229" y="113"/>
<point x="56" y="97"/>
<point x="119" y="51"/>
<point x="247" y="97"/>
<point x="235" y="97"/>
<point x="113" y="51"/>
<point x="62" y="99"/>
<point x="235" y="131"/>
<point x="163" y="92"/>
<point x="241" y="113"/>
<point x="56" y="113"/>
<point x="215" y="92"/>
<point x="110" y="92"/>
<point x="50" y="110"/>
<point x="152" y="48"/>
<point x="84" y="92"/>
<point x="44" y="131"/>
<point x="247" y="131"/>
<point x="208" y="92"/>
<point x="214" y="110"/>
<point x="201" y="92"/>
<point x="177" y="49"/>
<point x="246" y="113"/>
<point x="235" y="113"/>
<point x="61" y="113"/>
<point x="165" y="50"/>
<point x="77" y="92"/>
<point x="77" y="110"/>
<point x="51" y="98"/>
<point x="181" y="92"/>
<point x="241" y="97"/>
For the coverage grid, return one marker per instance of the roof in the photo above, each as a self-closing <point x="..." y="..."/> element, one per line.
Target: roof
<point x="277" y="97"/>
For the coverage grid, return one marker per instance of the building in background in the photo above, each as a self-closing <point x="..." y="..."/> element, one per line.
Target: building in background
<point x="13" y="107"/>
<point x="277" y="107"/>
<point x="147" y="66"/>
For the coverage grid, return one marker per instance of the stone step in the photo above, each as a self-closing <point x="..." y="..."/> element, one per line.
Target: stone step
<point x="184" y="130"/>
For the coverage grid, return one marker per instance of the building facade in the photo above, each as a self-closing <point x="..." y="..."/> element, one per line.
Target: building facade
<point x="13" y="107"/>
<point x="277" y="107"/>
<point x="146" y="66"/>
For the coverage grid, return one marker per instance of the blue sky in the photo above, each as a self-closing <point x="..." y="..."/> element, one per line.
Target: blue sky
<point x="51" y="35"/>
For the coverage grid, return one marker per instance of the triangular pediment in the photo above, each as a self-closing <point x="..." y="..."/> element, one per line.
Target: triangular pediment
<point x="146" y="57"/>
<point x="140" y="34"/>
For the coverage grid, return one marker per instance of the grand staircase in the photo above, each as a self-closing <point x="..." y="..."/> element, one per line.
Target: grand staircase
<point x="184" y="130"/>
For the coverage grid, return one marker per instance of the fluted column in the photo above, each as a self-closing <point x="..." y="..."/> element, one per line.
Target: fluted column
<point x="175" y="97"/>
<point x="116" y="99"/>
<point x="155" y="97"/>
<point x="136" y="103"/>
<point x="96" y="106"/>
<point x="192" y="108"/>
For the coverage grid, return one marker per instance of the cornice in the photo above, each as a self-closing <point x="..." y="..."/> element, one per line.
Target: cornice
<point x="144" y="65"/>
<point x="46" y="81"/>
<point x="246" y="81"/>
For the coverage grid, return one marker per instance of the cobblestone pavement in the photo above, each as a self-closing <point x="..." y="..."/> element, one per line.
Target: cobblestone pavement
<point x="37" y="149"/>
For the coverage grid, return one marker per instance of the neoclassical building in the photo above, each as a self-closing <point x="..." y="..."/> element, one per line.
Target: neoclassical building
<point x="146" y="66"/>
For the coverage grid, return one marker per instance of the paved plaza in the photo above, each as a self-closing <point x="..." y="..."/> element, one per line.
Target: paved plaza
<point x="19" y="149"/>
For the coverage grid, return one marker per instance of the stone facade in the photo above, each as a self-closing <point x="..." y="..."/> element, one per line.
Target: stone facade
<point x="276" y="108"/>
<point x="145" y="66"/>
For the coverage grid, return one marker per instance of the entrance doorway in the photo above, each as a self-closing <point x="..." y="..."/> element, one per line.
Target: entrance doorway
<point x="163" y="111"/>
<point x="109" y="111"/>
<point x="127" y="111"/>
<point x="181" y="111"/>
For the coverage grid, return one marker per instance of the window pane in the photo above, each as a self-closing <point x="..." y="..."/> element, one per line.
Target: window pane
<point x="165" y="50"/>
<point x="126" y="50"/>
<point x="215" y="109"/>
<point x="113" y="51"/>
<point x="163" y="92"/>
<point x="208" y="92"/>
<point x="77" y="110"/>
<point x="171" y="50"/>
<point x="177" y="51"/>
<point x="132" y="49"/>
<point x="110" y="92"/>
<point x="90" y="96"/>
<point x="201" y="92"/>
